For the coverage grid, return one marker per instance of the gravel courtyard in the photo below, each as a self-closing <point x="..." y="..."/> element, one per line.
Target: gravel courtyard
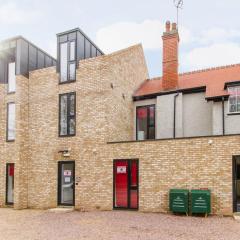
<point x="34" y="225"/>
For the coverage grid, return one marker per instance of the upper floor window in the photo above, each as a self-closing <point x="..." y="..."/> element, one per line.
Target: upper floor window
<point x="11" y="77"/>
<point x="145" y="122"/>
<point x="67" y="114"/>
<point x="234" y="99"/>
<point x="11" y="122"/>
<point x="67" y="61"/>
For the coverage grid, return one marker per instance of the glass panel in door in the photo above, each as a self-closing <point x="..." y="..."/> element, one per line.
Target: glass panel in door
<point x="10" y="183"/>
<point x="67" y="184"/>
<point x="134" y="185"/>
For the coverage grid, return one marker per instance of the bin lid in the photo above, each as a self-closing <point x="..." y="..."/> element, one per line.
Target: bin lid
<point x="179" y="191"/>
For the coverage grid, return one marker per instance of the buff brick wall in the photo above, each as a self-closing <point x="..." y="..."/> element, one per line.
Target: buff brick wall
<point x="190" y="163"/>
<point x="17" y="151"/>
<point x="102" y="114"/>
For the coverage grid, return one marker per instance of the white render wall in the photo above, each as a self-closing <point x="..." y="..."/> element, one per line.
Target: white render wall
<point x="197" y="115"/>
<point x="217" y="118"/>
<point x="232" y="122"/>
<point x="165" y="116"/>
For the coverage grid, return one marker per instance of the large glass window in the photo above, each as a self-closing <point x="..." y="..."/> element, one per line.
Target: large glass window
<point x="234" y="99"/>
<point x="11" y="77"/>
<point x="68" y="61"/>
<point x="11" y="122"/>
<point x="64" y="62"/>
<point x="145" y="122"/>
<point x="67" y="114"/>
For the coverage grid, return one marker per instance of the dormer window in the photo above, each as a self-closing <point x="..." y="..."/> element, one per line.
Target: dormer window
<point x="234" y="99"/>
<point x="73" y="46"/>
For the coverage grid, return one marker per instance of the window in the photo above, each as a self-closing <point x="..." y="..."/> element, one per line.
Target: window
<point x="11" y="122"/>
<point x="67" y="114"/>
<point x="11" y="77"/>
<point x="234" y="99"/>
<point x="145" y="122"/>
<point x="63" y="62"/>
<point x="68" y="61"/>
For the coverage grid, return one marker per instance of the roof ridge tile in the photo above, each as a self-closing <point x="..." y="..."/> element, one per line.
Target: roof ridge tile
<point x="210" y="69"/>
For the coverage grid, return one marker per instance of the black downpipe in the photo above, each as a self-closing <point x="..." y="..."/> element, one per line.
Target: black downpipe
<point x="223" y="118"/>
<point x="174" y="115"/>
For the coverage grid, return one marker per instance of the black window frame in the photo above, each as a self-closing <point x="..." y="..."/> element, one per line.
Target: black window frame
<point x="69" y="62"/>
<point x="69" y="117"/>
<point x="148" y="121"/>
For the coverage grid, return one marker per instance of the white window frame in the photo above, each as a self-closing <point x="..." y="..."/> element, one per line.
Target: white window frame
<point x="11" y="77"/>
<point x="233" y="91"/>
<point x="11" y="121"/>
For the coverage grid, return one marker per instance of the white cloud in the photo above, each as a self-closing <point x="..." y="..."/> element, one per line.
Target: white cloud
<point x="124" y="34"/>
<point x="211" y="47"/>
<point x="211" y="56"/>
<point x="217" y="35"/>
<point x="10" y="13"/>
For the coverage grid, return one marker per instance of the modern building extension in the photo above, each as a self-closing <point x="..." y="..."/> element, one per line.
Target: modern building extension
<point x="93" y="131"/>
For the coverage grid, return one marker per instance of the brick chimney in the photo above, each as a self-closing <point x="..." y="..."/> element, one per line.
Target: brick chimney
<point x="170" y="57"/>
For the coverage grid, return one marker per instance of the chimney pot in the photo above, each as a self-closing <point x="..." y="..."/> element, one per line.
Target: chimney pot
<point x="168" y="26"/>
<point x="174" y="26"/>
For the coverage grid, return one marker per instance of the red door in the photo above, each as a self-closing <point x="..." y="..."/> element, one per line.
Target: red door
<point x="126" y="184"/>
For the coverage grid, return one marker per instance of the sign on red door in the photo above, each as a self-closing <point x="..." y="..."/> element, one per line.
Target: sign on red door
<point x="126" y="184"/>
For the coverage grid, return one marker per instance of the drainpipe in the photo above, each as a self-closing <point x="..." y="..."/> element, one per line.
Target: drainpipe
<point x="174" y="115"/>
<point x="223" y="119"/>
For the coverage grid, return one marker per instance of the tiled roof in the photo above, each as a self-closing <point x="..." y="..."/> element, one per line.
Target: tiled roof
<point x="213" y="79"/>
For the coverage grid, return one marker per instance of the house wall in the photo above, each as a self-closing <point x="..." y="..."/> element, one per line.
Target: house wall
<point x="190" y="109"/>
<point x="15" y="151"/>
<point x="104" y="113"/>
<point x="231" y="121"/>
<point x="197" y="115"/>
<point x="191" y="163"/>
<point x="165" y="116"/>
<point x="217" y="122"/>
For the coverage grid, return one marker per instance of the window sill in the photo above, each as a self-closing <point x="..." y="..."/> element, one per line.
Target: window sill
<point x="11" y="92"/>
<point x="69" y="81"/>
<point x="63" y="136"/>
<point x="13" y="140"/>
<point x="234" y="113"/>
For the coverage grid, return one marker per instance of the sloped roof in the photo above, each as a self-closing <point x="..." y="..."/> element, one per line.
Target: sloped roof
<point x="214" y="79"/>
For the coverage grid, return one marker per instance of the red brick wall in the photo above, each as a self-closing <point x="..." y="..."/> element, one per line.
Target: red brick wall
<point x="170" y="59"/>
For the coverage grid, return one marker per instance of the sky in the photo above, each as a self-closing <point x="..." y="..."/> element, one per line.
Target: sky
<point x="209" y="29"/>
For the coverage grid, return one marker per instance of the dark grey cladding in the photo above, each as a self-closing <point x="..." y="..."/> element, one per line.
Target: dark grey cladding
<point x="85" y="48"/>
<point x="26" y="55"/>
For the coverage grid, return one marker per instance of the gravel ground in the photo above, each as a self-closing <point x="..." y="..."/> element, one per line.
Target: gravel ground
<point x="119" y="225"/>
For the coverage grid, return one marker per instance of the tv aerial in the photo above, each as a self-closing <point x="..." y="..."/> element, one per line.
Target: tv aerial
<point x="179" y="5"/>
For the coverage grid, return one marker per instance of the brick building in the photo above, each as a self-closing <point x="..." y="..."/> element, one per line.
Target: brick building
<point x="93" y="131"/>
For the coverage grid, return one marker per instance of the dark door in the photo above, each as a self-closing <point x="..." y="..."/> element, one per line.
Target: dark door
<point x="10" y="183"/>
<point x="236" y="184"/>
<point x="66" y="186"/>
<point x="125" y="184"/>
